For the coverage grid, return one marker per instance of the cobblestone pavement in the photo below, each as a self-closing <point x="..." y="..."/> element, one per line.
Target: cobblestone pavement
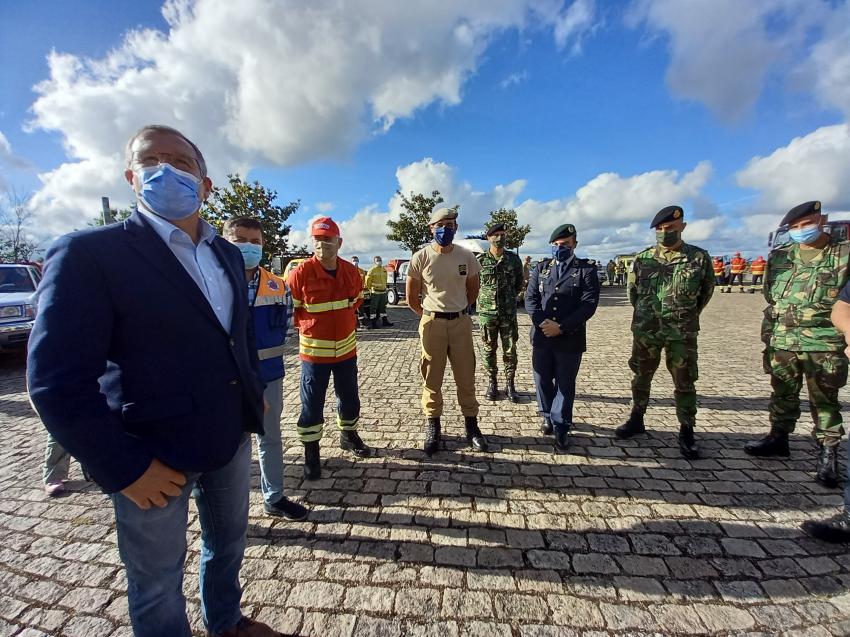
<point x="616" y="538"/>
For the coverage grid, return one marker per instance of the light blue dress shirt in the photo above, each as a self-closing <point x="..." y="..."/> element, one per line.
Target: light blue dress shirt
<point x="200" y="262"/>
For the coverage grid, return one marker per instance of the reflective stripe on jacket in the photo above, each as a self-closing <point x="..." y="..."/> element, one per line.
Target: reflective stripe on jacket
<point x="271" y="311"/>
<point x="325" y="310"/>
<point x="718" y="268"/>
<point x="758" y="266"/>
<point x="739" y="264"/>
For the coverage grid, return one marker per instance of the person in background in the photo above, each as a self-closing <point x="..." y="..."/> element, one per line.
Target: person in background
<point x="737" y="267"/>
<point x="717" y="266"/>
<point x="56" y="467"/>
<point x="271" y="308"/>
<point x="757" y="267"/>
<point x="376" y="285"/>
<point x="611" y="272"/>
<point x="363" y="312"/>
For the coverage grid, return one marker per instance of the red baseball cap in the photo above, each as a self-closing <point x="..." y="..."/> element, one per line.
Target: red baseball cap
<point x="324" y="227"/>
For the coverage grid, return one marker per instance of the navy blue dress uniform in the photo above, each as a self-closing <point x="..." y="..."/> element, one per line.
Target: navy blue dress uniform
<point x="563" y="289"/>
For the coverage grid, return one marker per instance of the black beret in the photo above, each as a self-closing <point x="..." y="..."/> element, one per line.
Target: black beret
<point x="670" y="213"/>
<point x="496" y="227"/>
<point x="562" y="232"/>
<point x="808" y="208"/>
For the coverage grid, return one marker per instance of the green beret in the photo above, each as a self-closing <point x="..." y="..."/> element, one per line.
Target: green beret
<point x="563" y="232"/>
<point x="670" y="213"/>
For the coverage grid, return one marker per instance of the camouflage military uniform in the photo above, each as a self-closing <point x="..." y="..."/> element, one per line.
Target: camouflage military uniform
<point x="668" y="289"/>
<point x="801" y="340"/>
<point x="501" y="282"/>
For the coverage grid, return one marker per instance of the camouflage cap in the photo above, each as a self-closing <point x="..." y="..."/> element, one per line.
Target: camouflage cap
<point x="670" y="213"/>
<point x="441" y="214"/>
<point x="563" y="231"/>
<point x="493" y="229"/>
<point x="804" y="209"/>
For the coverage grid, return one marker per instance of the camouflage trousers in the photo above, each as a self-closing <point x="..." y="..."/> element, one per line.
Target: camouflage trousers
<point x="825" y="374"/>
<point x="681" y="358"/>
<point x="494" y="327"/>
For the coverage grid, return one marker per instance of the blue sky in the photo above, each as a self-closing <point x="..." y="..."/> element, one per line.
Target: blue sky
<point x="626" y="111"/>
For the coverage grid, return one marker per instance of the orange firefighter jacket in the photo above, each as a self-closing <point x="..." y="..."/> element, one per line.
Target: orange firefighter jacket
<point x="739" y="265"/>
<point x="325" y="310"/>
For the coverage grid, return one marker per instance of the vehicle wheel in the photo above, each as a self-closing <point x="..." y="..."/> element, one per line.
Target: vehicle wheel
<point x="392" y="297"/>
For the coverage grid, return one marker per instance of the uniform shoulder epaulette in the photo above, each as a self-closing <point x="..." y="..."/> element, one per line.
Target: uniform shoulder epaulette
<point x="591" y="262"/>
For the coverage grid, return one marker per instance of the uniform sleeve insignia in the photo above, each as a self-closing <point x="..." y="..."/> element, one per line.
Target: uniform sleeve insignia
<point x="273" y="285"/>
<point x="832" y="293"/>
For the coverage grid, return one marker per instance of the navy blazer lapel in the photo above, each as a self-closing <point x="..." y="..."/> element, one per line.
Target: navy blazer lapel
<point x="148" y="243"/>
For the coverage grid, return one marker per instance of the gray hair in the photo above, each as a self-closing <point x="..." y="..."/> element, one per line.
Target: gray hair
<point x="128" y="149"/>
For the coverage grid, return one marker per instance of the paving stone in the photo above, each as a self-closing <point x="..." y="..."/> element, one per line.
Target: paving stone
<point x="315" y="595"/>
<point x="723" y="618"/>
<point x="373" y="599"/>
<point x="421" y="602"/>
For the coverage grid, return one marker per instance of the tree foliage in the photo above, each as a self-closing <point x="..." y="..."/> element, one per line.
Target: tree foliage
<point x="239" y="198"/>
<point x="516" y="233"/>
<point x="411" y="231"/>
<point x="15" y="218"/>
<point x="118" y="215"/>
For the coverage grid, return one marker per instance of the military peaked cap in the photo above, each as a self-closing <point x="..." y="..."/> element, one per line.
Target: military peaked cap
<point x="808" y="208"/>
<point x="563" y="232"/>
<point x="496" y="227"/>
<point x="670" y="213"/>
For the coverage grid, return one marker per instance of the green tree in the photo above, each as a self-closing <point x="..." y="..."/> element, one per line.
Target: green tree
<point x="239" y="198"/>
<point x="118" y="215"/>
<point x="516" y="232"/>
<point x="15" y="220"/>
<point x="411" y="231"/>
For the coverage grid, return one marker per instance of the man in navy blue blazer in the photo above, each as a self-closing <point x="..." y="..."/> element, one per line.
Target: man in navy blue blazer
<point x="142" y="364"/>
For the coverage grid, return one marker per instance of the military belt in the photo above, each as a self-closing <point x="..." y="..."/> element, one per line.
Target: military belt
<point x="449" y="316"/>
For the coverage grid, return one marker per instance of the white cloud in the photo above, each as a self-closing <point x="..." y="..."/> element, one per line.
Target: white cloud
<point x="829" y="63"/>
<point x="573" y="23"/>
<point x="816" y="166"/>
<point x="9" y="162"/>
<point x="325" y="206"/>
<point x="723" y="50"/>
<point x="280" y="83"/>
<point x="611" y="212"/>
<point x="514" y="79"/>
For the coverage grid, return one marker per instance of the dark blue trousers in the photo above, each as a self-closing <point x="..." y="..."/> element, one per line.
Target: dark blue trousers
<point x="315" y="378"/>
<point x="555" y="379"/>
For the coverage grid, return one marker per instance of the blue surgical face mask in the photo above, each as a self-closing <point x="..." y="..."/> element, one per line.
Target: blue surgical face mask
<point x="806" y="234"/>
<point x="251" y="253"/>
<point x="168" y="192"/>
<point x="562" y="253"/>
<point x="444" y="236"/>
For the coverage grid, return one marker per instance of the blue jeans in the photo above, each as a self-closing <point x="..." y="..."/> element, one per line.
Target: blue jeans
<point x="152" y="545"/>
<point x="314" y="388"/>
<point x="270" y="445"/>
<point x="555" y="379"/>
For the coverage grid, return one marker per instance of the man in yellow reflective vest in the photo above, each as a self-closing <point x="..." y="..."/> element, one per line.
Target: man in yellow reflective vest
<point x="326" y="292"/>
<point x="376" y="285"/>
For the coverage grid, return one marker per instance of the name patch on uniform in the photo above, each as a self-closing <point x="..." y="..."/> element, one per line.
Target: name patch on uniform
<point x="461" y="269"/>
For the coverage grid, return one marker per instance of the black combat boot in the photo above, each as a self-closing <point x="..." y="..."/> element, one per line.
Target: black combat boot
<point x="385" y="322"/>
<point x="492" y="389"/>
<point x="432" y="437"/>
<point x="827" y="465"/>
<point x="687" y="445"/>
<point x="349" y="440"/>
<point x="373" y="324"/>
<point x="473" y="434"/>
<point x="773" y="444"/>
<point x="834" y="530"/>
<point x="562" y="439"/>
<point x="510" y="390"/>
<point x="546" y="426"/>
<point x="312" y="461"/>
<point x="632" y="427"/>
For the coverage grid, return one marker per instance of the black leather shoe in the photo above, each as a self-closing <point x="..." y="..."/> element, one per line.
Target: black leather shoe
<point x="492" y="389"/>
<point x="312" y="461"/>
<point x="373" y="324"/>
<point x="834" y="530"/>
<point x="349" y="440"/>
<point x="385" y="322"/>
<point x="827" y="466"/>
<point x="546" y="427"/>
<point x="286" y="508"/>
<point x="562" y="439"/>
<point x="773" y="444"/>
<point x="687" y="445"/>
<point x="473" y="434"/>
<point x="510" y="391"/>
<point x="432" y="437"/>
<point x="632" y="427"/>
